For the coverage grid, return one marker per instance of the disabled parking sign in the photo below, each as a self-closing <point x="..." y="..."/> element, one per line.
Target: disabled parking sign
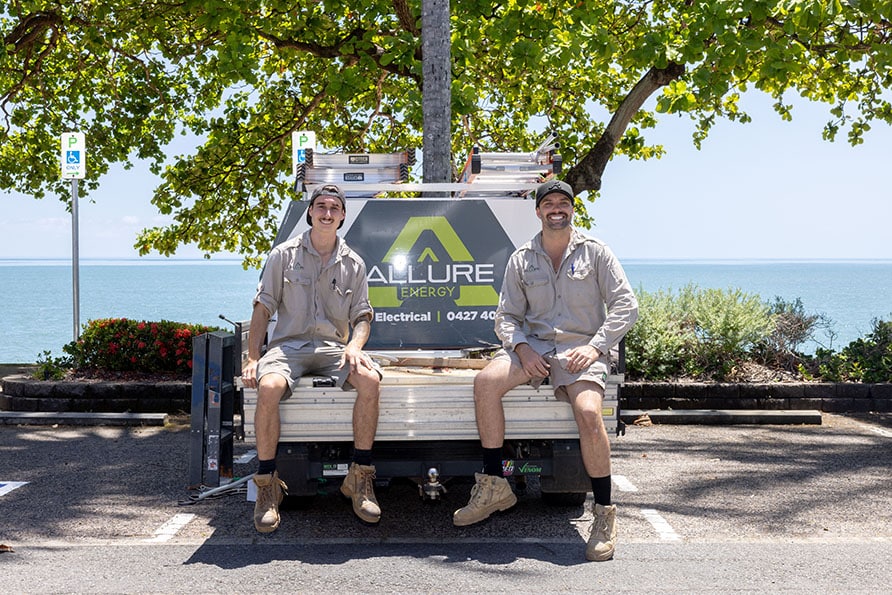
<point x="73" y="156"/>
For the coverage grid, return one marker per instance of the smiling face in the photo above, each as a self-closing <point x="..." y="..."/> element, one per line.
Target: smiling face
<point x="327" y="212"/>
<point x="555" y="210"/>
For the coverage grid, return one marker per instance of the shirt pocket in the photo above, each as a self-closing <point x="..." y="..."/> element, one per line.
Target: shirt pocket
<point x="581" y="288"/>
<point x="338" y="301"/>
<point x="296" y="291"/>
<point x="539" y="291"/>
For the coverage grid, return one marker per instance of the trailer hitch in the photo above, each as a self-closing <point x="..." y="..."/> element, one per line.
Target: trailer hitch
<point x="432" y="489"/>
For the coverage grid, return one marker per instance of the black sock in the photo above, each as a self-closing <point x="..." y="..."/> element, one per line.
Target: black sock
<point x="362" y="457"/>
<point x="601" y="490"/>
<point x="266" y="467"/>
<point x="492" y="461"/>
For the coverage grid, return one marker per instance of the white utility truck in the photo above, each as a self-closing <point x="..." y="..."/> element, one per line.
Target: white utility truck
<point x="435" y="256"/>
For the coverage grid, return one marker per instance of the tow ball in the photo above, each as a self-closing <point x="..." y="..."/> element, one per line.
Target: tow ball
<point x="432" y="489"/>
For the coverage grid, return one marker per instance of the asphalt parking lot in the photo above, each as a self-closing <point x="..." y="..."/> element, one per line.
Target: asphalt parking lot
<point x="714" y="508"/>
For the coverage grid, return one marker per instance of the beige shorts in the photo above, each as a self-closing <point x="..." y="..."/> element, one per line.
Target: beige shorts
<point x="560" y="378"/>
<point x="308" y="360"/>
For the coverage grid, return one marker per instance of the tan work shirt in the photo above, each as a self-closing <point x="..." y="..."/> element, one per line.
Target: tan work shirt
<point x="313" y="301"/>
<point x="588" y="300"/>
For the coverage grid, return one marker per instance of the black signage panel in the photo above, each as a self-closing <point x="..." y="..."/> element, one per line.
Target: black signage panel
<point x="435" y="269"/>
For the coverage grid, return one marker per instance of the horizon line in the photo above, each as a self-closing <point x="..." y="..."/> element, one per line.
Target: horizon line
<point x="636" y="259"/>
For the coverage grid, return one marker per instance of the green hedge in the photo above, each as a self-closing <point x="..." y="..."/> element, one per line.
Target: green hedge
<point x="868" y="359"/>
<point x="121" y="344"/>
<point x="704" y="334"/>
<point x="698" y="333"/>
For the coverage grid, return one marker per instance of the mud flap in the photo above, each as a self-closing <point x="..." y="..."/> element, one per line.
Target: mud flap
<point x="293" y="465"/>
<point x="568" y="470"/>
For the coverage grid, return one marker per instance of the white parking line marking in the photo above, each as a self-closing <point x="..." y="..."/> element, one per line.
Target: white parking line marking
<point x="247" y="457"/>
<point x="624" y="484"/>
<point x="881" y="432"/>
<point x="8" y="486"/>
<point x="171" y="527"/>
<point x="661" y="525"/>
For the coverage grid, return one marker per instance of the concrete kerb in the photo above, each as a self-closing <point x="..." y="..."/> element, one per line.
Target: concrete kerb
<point x="69" y="418"/>
<point x="725" y="416"/>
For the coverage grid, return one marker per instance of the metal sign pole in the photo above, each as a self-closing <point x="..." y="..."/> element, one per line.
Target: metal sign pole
<point x="73" y="157"/>
<point x="75" y="260"/>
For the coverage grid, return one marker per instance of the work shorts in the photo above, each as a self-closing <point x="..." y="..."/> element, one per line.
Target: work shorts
<point x="560" y="378"/>
<point x="319" y="360"/>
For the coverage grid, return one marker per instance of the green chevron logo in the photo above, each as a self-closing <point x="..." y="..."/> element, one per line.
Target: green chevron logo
<point x="440" y="227"/>
<point x="453" y="275"/>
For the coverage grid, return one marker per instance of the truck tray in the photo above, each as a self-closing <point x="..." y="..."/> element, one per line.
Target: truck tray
<point x="419" y="404"/>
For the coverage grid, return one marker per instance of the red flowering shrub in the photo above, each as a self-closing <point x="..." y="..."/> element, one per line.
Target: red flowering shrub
<point x="123" y="345"/>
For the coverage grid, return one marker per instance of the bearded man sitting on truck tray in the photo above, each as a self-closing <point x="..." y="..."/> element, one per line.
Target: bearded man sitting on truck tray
<point x="317" y="287"/>
<point x="565" y="302"/>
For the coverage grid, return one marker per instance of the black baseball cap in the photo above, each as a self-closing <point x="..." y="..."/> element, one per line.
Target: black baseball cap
<point x="554" y="187"/>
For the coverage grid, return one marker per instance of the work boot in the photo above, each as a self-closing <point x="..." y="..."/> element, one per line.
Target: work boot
<point x="270" y="491"/>
<point x="488" y="495"/>
<point x="359" y="486"/>
<point x="602" y="541"/>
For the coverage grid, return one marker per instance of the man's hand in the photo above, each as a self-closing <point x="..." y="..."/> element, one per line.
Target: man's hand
<point x="355" y="357"/>
<point x="580" y="358"/>
<point x="249" y="373"/>
<point x="533" y="364"/>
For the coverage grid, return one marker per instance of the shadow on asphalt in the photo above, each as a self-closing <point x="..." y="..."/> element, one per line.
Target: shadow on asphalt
<point x="95" y="483"/>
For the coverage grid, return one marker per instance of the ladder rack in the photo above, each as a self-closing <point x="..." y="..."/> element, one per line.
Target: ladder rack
<point x="349" y="169"/>
<point x="485" y="175"/>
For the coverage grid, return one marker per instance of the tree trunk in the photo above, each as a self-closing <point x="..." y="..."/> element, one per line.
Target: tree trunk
<point x="437" y="91"/>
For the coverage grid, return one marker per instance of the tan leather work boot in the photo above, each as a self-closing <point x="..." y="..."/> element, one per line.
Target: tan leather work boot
<point x="488" y="495"/>
<point x="270" y="491"/>
<point x="359" y="486"/>
<point x="602" y="541"/>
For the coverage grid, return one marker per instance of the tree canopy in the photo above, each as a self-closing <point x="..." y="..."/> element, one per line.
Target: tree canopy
<point x="241" y="76"/>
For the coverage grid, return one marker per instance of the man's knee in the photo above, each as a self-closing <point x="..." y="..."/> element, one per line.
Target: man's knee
<point x="366" y="382"/>
<point x="489" y="384"/>
<point x="271" y="388"/>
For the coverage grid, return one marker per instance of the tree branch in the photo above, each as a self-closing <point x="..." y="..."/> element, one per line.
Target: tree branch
<point x="404" y="15"/>
<point x="586" y="174"/>
<point x="334" y="51"/>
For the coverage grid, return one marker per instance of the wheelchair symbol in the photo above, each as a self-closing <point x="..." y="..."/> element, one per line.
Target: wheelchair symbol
<point x="72" y="157"/>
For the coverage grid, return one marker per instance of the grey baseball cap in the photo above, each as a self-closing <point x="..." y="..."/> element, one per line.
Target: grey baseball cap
<point x="327" y="190"/>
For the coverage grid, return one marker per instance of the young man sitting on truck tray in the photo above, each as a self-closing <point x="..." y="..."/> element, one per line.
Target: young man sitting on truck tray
<point x="565" y="302"/>
<point x="317" y="286"/>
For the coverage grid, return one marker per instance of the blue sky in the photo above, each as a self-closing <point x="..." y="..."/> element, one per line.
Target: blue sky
<point x="765" y="190"/>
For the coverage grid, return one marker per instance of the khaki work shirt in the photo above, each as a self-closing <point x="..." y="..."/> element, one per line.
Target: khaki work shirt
<point x="313" y="301"/>
<point x="588" y="300"/>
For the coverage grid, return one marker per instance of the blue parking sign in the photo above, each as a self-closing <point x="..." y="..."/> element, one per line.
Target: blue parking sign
<point x="72" y="157"/>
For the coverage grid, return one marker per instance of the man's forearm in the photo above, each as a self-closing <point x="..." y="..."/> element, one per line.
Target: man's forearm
<point x="257" y="331"/>
<point x="361" y="332"/>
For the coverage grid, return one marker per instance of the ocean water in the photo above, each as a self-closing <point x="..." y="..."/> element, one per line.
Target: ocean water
<point x="37" y="304"/>
<point x="36" y="296"/>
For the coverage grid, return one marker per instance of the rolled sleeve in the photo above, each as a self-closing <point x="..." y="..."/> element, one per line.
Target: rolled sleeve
<point x="361" y="308"/>
<point x="269" y="289"/>
<point x="512" y="307"/>
<point x="620" y="301"/>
